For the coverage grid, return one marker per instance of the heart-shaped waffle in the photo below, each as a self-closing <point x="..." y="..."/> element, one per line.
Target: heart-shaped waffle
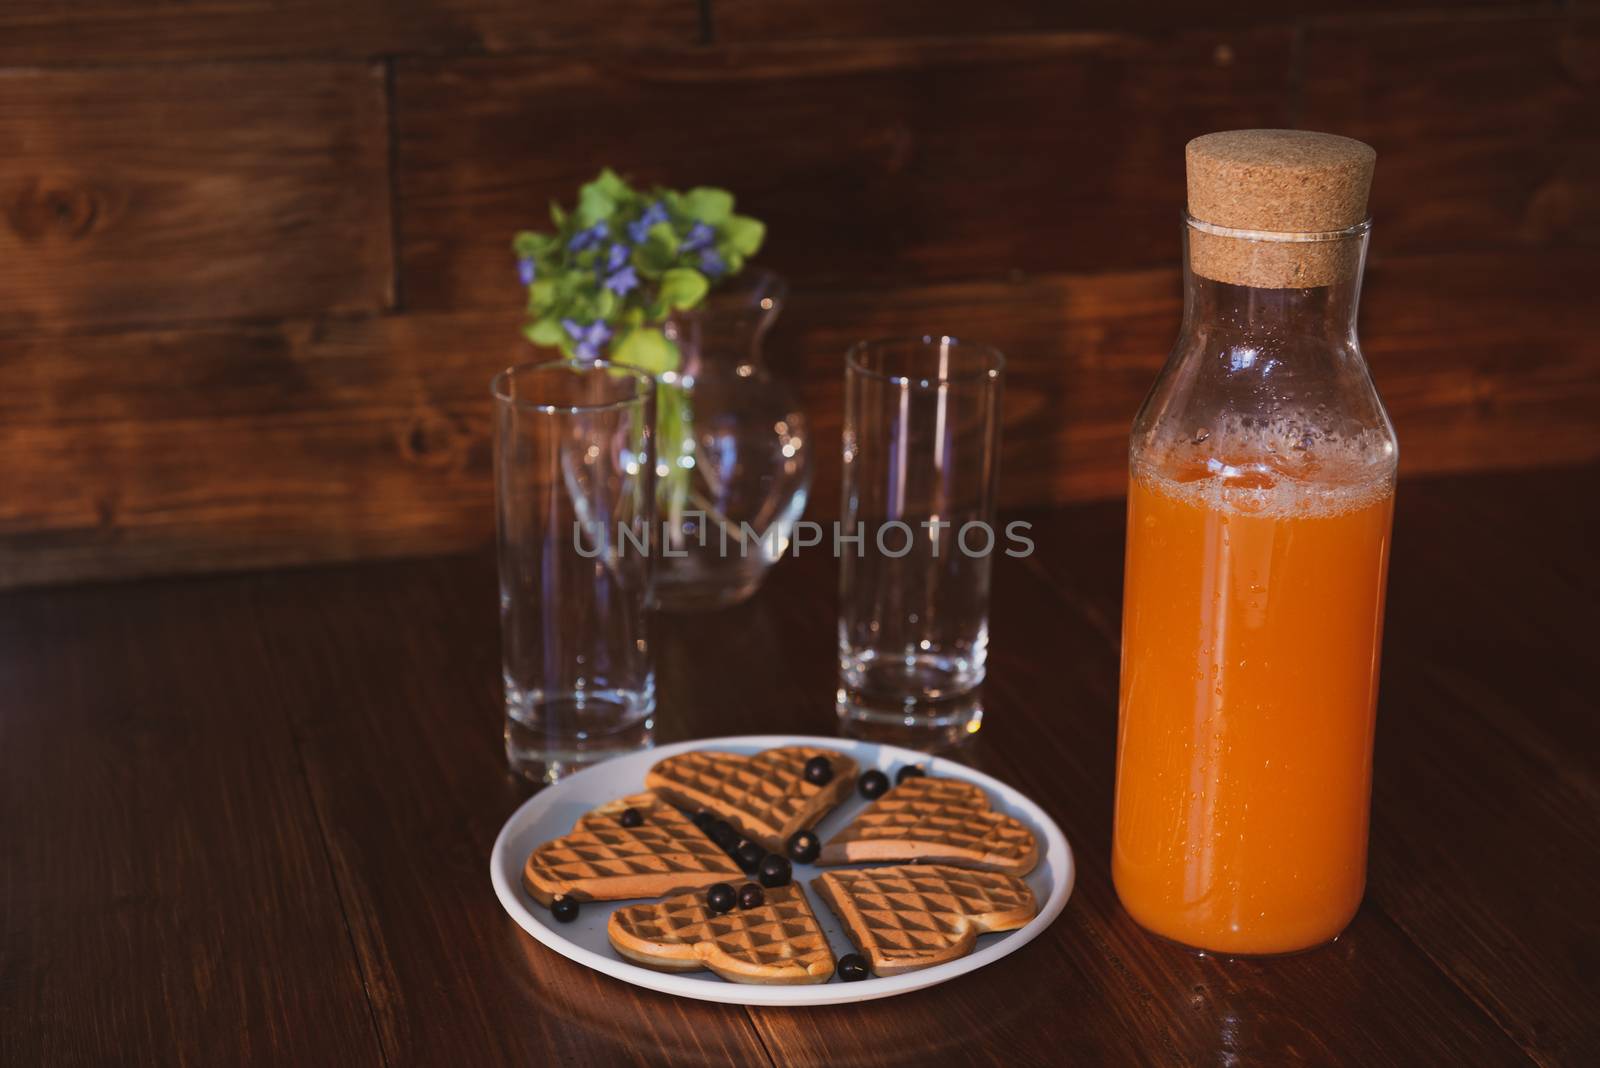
<point x="601" y="860"/>
<point x="935" y="821"/>
<point x="778" y="943"/>
<point x="918" y="915"/>
<point x="764" y="795"/>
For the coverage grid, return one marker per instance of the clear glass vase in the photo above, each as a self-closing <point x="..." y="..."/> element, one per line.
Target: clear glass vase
<point x="733" y="460"/>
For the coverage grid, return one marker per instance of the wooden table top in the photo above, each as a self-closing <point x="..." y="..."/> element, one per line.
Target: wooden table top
<point x="247" y="819"/>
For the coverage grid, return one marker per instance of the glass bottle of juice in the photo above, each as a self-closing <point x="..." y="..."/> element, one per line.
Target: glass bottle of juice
<point x="1262" y="485"/>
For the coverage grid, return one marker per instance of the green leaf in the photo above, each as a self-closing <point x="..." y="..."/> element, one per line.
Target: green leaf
<point x="648" y="349"/>
<point x="594" y="204"/>
<point x="744" y="234"/>
<point x="541" y="295"/>
<point x="566" y="285"/>
<point x="708" y="205"/>
<point x="683" y="288"/>
<point x="658" y="251"/>
<point x="612" y="185"/>
<point x="546" y="331"/>
<point x="581" y="271"/>
<point x="528" y="245"/>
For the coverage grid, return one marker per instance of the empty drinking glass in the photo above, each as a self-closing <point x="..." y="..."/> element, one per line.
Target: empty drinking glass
<point x="921" y="449"/>
<point x="575" y="504"/>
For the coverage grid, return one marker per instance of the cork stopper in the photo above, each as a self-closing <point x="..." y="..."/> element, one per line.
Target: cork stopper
<point x="1286" y="182"/>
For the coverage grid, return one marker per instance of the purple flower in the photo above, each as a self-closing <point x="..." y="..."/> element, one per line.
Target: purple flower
<point x="700" y="236"/>
<point x="712" y="264"/>
<point x="616" y="257"/>
<point x="525" y="271"/>
<point x="622" y="281"/>
<point x="589" y="338"/>
<point x="590" y="238"/>
<point x="639" y="229"/>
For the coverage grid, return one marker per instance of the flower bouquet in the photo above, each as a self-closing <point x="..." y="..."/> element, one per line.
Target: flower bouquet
<point x="616" y="266"/>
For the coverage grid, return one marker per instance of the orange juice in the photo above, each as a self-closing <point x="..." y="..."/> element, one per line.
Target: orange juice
<point x="1252" y="620"/>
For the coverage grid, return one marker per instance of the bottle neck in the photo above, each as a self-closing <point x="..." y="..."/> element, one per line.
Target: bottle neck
<point x="1267" y="375"/>
<point x="1327" y="313"/>
<point x="1252" y="284"/>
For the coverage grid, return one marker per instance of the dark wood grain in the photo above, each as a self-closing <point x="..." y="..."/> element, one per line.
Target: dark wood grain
<point x="146" y="195"/>
<point x="772" y="20"/>
<point x="376" y="739"/>
<point x="245" y="446"/>
<point x="36" y="32"/>
<point x="1483" y="361"/>
<point x="868" y="162"/>
<point x="1483" y="358"/>
<point x="1488" y="132"/>
<point x="312" y="768"/>
<point x="192" y="377"/>
<point x="253" y="280"/>
<point x="1515" y="701"/>
<point x="166" y="896"/>
<point x="972" y="159"/>
<point x="358" y="438"/>
<point x="411" y="812"/>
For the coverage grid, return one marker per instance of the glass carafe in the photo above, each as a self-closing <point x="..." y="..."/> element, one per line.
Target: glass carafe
<point x="1262" y="483"/>
<point x="733" y="455"/>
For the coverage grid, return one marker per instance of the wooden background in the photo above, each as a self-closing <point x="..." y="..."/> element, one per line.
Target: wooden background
<point x="254" y="266"/>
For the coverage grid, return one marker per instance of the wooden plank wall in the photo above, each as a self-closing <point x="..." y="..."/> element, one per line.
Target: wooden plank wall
<point x="253" y="257"/>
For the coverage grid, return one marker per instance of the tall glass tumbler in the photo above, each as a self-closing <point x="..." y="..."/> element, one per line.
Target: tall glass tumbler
<point x="574" y="465"/>
<point x="917" y="536"/>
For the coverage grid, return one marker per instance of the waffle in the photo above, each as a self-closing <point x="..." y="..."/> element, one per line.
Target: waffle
<point x="778" y="943"/>
<point x="915" y="916"/>
<point x="601" y="860"/>
<point x="765" y="795"/>
<point x="935" y="821"/>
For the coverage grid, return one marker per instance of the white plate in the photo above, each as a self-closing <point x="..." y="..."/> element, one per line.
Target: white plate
<point x="552" y="812"/>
